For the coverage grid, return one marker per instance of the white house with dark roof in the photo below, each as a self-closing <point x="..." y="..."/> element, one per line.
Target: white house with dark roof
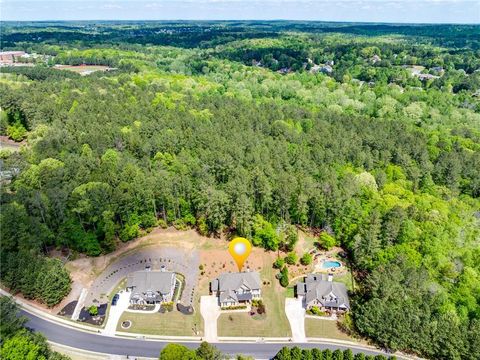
<point x="321" y="291"/>
<point x="151" y="287"/>
<point x="237" y="288"/>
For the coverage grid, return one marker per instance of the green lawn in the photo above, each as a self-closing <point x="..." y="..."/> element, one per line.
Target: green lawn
<point x="324" y="329"/>
<point x="274" y="323"/>
<point x="308" y="243"/>
<point x="173" y="323"/>
<point x="290" y="291"/>
<point x="346" y="279"/>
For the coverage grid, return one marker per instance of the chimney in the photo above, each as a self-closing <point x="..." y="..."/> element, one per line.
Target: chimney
<point x="330" y="277"/>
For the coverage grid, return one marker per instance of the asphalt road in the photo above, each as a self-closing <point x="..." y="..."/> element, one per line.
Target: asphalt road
<point x="151" y="348"/>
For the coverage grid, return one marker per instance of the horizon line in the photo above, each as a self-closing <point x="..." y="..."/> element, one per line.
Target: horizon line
<point x="244" y="20"/>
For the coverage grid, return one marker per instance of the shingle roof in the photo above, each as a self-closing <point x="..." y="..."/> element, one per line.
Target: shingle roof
<point x="328" y="293"/>
<point x="229" y="283"/>
<point x="144" y="281"/>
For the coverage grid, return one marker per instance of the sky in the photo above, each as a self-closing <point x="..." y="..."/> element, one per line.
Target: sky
<point x="401" y="11"/>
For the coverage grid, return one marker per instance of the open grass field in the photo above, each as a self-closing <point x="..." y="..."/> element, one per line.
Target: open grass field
<point x="320" y="328"/>
<point x="274" y="323"/>
<point x="173" y="323"/>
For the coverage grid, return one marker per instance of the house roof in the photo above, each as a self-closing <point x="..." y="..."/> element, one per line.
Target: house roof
<point x="228" y="284"/>
<point x="144" y="281"/>
<point x="328" y="293"/>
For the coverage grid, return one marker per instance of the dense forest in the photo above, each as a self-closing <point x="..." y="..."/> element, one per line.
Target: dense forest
<point x="370" y="134"/>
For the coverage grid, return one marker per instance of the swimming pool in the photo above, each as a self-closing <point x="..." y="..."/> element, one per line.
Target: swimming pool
<point x="330" y="264"/>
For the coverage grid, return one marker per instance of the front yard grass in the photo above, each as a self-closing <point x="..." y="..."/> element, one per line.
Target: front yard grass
<point x="273" y="323"/>
<point x="171" y="323"/>
<point x="319" y="328"/>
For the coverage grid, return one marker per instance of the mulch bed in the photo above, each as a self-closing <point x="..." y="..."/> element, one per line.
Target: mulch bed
<point x="185" y="310"/>
<point x="68" y="309"/>
<point x="94" y="320"/>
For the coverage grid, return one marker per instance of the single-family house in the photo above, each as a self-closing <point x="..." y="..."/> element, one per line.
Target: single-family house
<point x="321" y="291"/>
<point x="237" y="288"/>
<point x="151" y="287"/>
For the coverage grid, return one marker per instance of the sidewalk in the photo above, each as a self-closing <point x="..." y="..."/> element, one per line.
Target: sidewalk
<point x="80" y="303"/>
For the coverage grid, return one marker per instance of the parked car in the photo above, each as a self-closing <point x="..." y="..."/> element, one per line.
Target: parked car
<point x="115" y="299"/>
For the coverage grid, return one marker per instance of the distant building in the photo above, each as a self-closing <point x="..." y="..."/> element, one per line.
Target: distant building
<point x="284" y="71"/>
<point x="321" y="291"/>
<point x="151" y="287"/>
<point x="375" y="58"/>
<point x="326" y="69"/>
<point x="438" y="69"/>
<point x="424" y="77"/>
<point x="330" y="62"/>
<point x="9" y="57"/>
<point x="237" y="288"/>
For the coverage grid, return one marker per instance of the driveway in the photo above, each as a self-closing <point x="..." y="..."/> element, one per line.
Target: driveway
<point x="116" y="312"/>
<point x="177" y="260"/>
<point x="296" y="317"/>
<point x="210" y="312"/>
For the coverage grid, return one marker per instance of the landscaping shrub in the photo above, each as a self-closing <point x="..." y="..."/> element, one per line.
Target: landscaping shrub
<point x="93" y="310"/>
<point x="167" y="306"/>
<point x="234" y="307"/>
<point x="291" y="258"/>
<point x="306" y="259"/>
<point x="284" y="277"/>
<point x="326" y="241"/>
<point x="278" y="264"/>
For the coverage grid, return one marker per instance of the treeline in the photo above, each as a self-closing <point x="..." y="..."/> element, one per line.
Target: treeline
<point x="296" y="353"/>
<point x="19" y="343"/>
<point x="40" y="73"/>
<point x="205" y="351"/>
<point x="36" y="277"/>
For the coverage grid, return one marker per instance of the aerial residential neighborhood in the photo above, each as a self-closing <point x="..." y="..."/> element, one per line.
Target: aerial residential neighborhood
<point x="284" y="180"/>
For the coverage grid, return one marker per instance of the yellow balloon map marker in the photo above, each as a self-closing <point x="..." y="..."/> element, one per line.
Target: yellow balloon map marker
<point x="240" y="248"/>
